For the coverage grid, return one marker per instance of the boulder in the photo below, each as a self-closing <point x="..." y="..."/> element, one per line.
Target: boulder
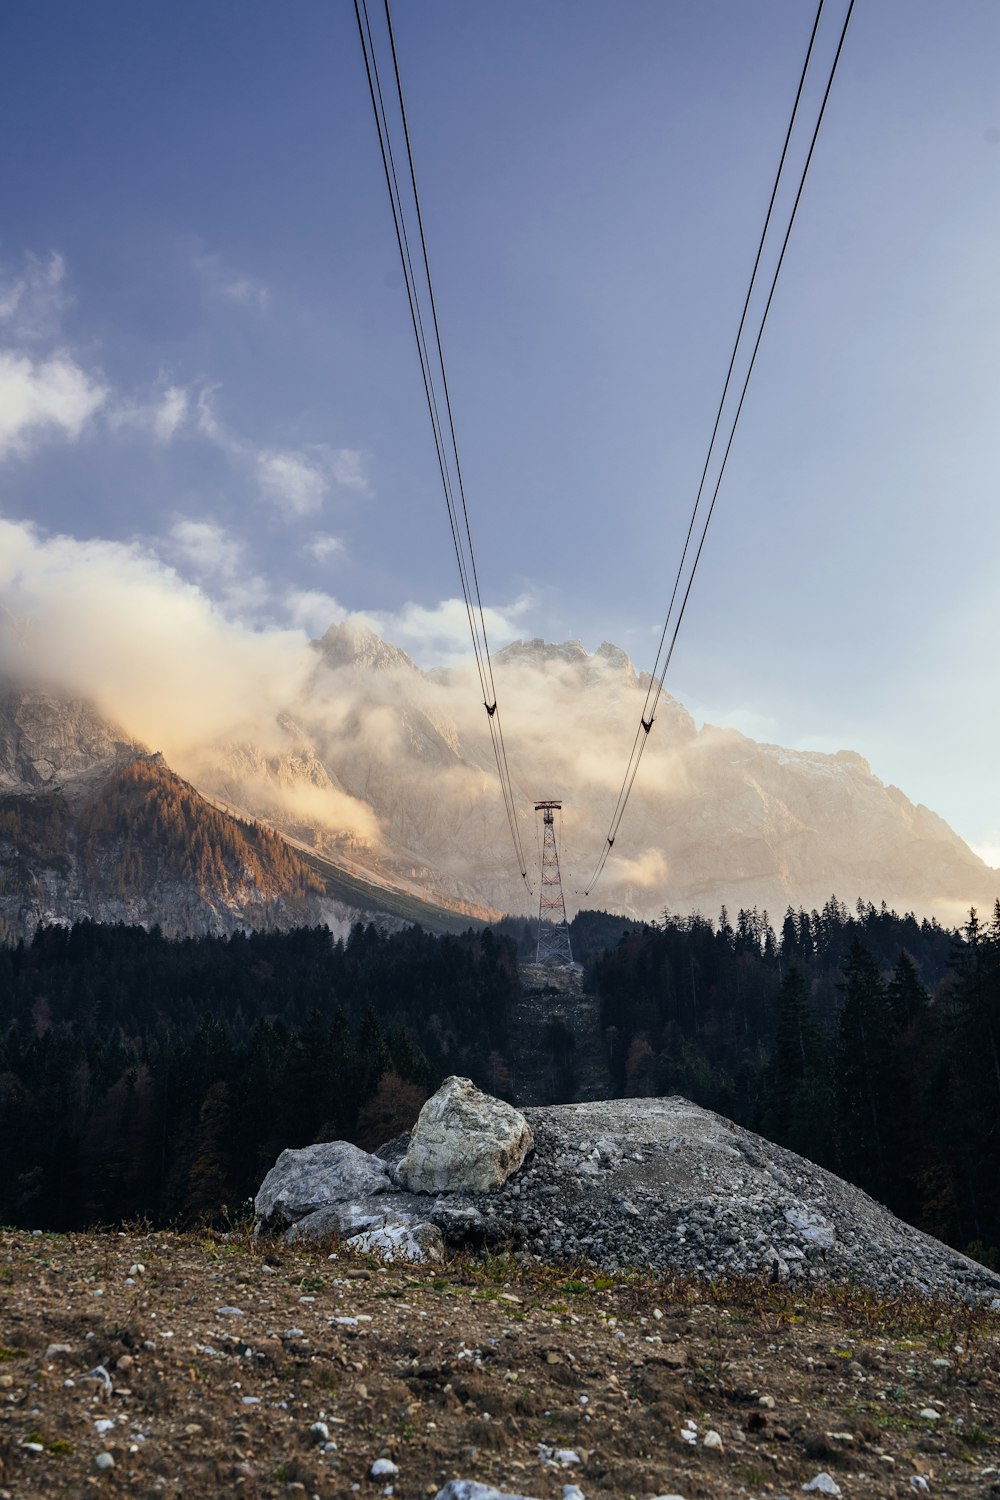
<point x="420" y="1243"/>
<point x="357" y="1215"/>
<point x="300" y="1182"/>
<point x="464" y="1141"/>
<point x="470" y="1489"/>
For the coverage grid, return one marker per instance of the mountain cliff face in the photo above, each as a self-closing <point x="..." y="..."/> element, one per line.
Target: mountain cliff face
<point x="715" y="817"/>
<point x="91" y="825"/>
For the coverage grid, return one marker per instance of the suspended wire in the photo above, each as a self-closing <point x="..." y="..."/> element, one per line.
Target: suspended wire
<point x="655" y="687"/>
<point x="466" y="564"/>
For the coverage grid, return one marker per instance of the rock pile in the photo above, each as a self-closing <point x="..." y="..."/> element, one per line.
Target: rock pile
<point x="651" y="1183"/>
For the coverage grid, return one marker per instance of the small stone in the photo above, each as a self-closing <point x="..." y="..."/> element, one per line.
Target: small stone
<point x="930" y="1415"/>
<point x="823" y="1484"/>
<point x="712" y="1440"/>
<point x="124" y="1362"/>
<point x="104" y="1462"/>
<point x="572" y="1492"/>
<point x="767" y="1402"/>
<point x="55" y="1350"/>
<point x="384" y="1468"/>
<point x="918" y="1482"/>
<point x="229" y="1312"/>
<point x="319" y="1432"/>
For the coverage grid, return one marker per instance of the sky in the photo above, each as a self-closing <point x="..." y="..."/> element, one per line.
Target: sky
<point x="212" y="426"/>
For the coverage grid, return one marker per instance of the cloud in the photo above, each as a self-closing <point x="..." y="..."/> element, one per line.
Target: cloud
<point x="314" y="611"/>
<point x="219" y="558"/>
<point x="207" y="546"/>
<point x="161" y="416"/>
<point x="32" y="300"/>
<point x="647" y="869"/>
<point x="989" y="851"/>
<point x="295" y="481"/>
<point x="324" y="546"/>
<point x="44" y="397"/>
<point x="440" y="635"/>
<point x="234" y="286"/>
<point x="347" y="468"/>
<point x="123" y="628"/>
<point x="291" y="481"/>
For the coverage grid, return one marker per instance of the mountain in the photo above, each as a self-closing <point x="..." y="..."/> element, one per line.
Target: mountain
<point x="391" y="768"/>
<point x="92" y="825"/>
<point x="381" y="777"/>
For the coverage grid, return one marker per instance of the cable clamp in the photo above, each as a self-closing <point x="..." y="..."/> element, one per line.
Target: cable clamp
<point x="647" y="724"/>
<point x="491" y="708"/>
<point x="611" y="843"/>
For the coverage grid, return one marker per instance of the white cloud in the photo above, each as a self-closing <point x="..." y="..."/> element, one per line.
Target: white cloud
<point x="347" y="468"/>
<point x="160" y="417"/>
<point x="235" y="286"/>
<point x="325" y="546"/>
<point x="32" y="300"/>
<point x="291" y="481"/>
<point x="154" y="651"/>
<point x="989" y="851"/>
<point x="36" y="396"/>
<point x="217" y="557"/>
<point x="207" y="546"/>
<point x="296" y="481"/>
<point x="315" y="611"/>
<point x="440" y="636"/>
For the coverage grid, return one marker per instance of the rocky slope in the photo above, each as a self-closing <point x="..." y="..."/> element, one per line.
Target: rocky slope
<point x="91" y="825"/>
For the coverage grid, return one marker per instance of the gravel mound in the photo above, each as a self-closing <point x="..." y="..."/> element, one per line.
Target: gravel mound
<point x="665" y="1185"/>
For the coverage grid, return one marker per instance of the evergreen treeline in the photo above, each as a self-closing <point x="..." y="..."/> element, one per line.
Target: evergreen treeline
<point x="141" y="1077"/>
<point x="155" y="1078"/>
<point x="866" y="1041"/>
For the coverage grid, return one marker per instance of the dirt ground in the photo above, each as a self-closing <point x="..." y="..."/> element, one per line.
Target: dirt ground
<point x="140" y="1365"/>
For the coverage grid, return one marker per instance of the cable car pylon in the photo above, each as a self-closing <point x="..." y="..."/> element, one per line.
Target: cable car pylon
<point x="553" y="929"/>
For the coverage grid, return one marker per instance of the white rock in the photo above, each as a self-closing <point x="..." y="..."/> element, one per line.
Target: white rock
<point x="469" y="1489"/>
<point x="464" y="1141"/>
<point x="104" y="1461"/>
<point x="918" y="1482"/>
<point x="302" y="1181"/>
<point x="712" y="1440"/>
<point x="384" y="1468"/>
<point x="812" y="1226"/>
<point x="823" y="1484"/>
<point x="572" y="1492"/>
<point x="930" y="1415"/>
<point x="355" y="1215"/>
<point x="418" y="1243"/>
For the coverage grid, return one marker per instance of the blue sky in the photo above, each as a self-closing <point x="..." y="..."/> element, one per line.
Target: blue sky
<point x="206" y="360"/>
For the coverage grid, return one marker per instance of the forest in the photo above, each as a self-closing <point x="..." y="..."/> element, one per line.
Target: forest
<point x="145" y="1078"/>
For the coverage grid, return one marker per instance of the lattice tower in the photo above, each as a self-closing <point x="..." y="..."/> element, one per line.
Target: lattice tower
<point x="553" y="929"/>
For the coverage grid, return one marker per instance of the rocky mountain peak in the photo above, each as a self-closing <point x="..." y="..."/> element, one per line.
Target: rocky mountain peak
<point x="47" y="739"/>
<point x="354" y="644"/>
